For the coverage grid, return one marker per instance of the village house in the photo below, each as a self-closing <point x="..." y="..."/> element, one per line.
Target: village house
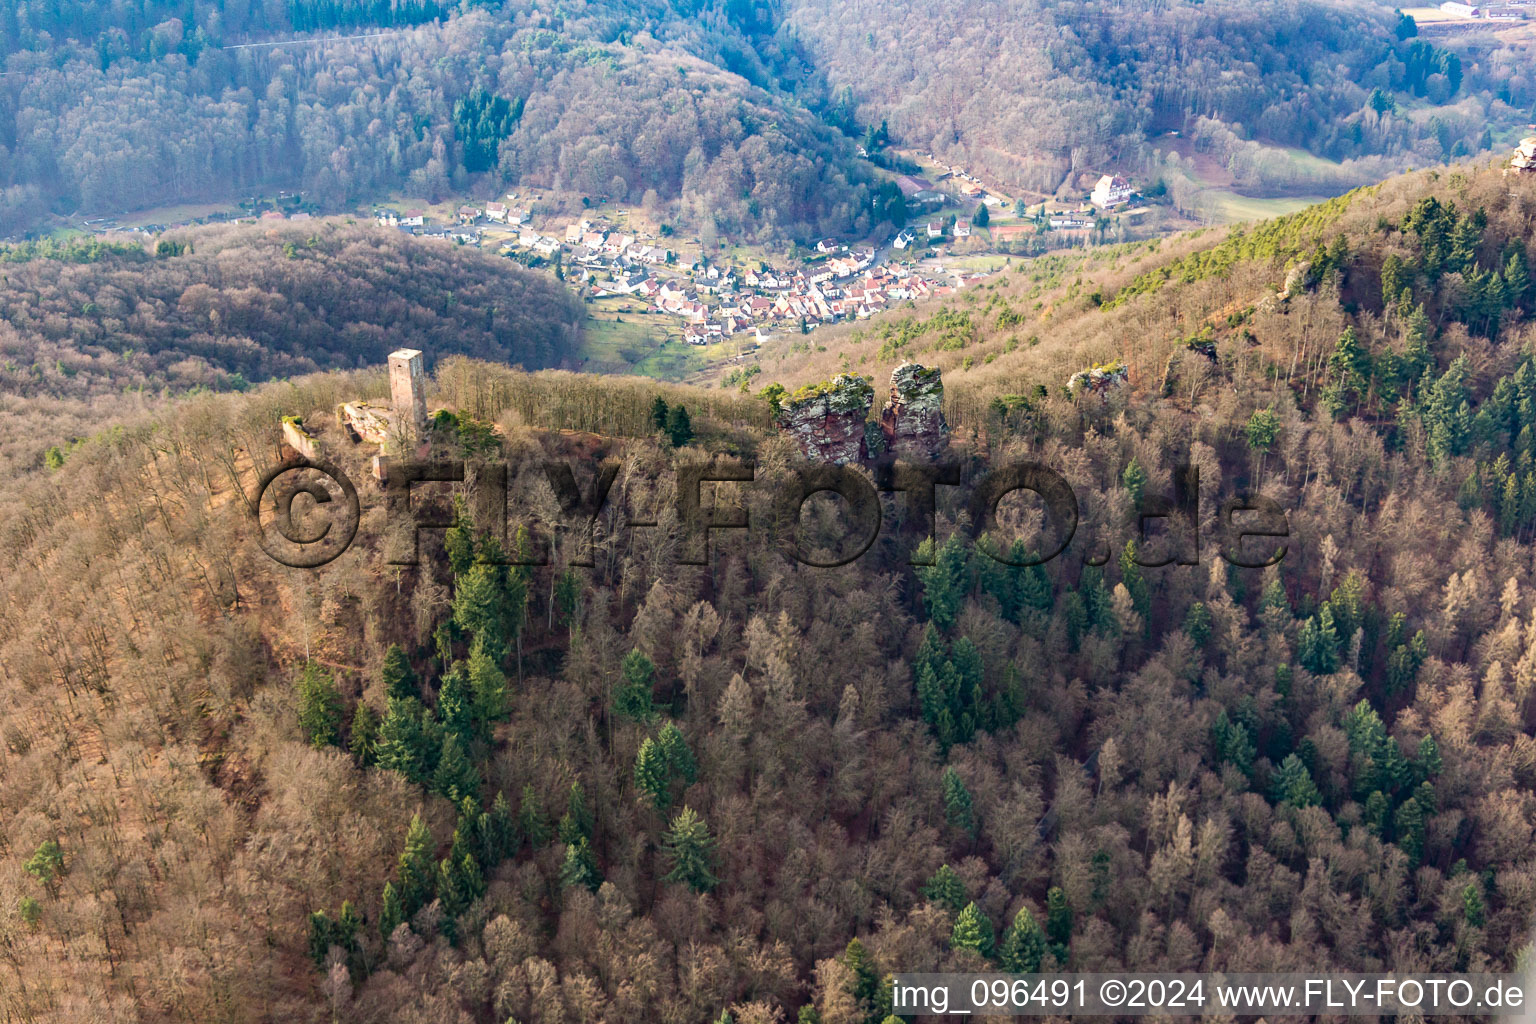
<point x="935" y="229"/>
<point x="468" y="214"/>
<point x="413" y="219"/>
<point x="962" y="229"/>
<point x="496" y="212"/>
<point x="1111" y="191"/>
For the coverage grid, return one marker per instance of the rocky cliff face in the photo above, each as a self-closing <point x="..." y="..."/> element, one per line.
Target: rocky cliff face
<point x="913" y="418"/>
<point x="1099" y="379"/>
<point x="827" y="419"/>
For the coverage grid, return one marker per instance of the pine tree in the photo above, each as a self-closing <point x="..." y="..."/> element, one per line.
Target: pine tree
<point x="1427" y="762"/>
<point x="945" y="889"/>
<point x="480" y="607"/>
<point x="946" y="581"/>
<point x="1376" y="812"/>
<point x="972" y="931"/>
<point x="1408" y="828"/>
<point x="577" y="822"/>
<point x="865" y="984"/>
<point x="1197" y="624"/>
<point x="632" y="699"/>
<point x="1349" y="374"/>
<point x="488" y="684"/>
<point x="659" y="412"/>
<point x="456" y="776"/>
<point x="1058" y="918"/>
<point x="689" y="848"/>
<point x="399" y="680"/>
<point x="679" y="759"/>
<point x="1134" y="479"/>
<point x="1232" y="742"/>
<point x="1024" y="944"/>
<point x="320" y="706"/>
<point x="418" y="869"/>
<point x="957" y="803"/>
<point x="1293" y="784"/>
<point x="456" y="704"/>
<point x="679" y="426"/>
<point x="1135" y="582"/>
<point x="392" y="913"/>
<point x="365" y="733"/>
<point x="651" y="775"/>
<point x="568" y="591"/>
<point x="1317" y="644"/>
<point x="499" y="838"/>
<point x="1472" y="904"/>
<point x="319" y="938"/>
<point x="409" y="742"/>
<point x="531" y="823"/>
<point x="580" y="866"/>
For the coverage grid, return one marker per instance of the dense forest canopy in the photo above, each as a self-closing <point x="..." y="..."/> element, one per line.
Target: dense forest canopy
<point x="739" y="118"/>
<point x="1036" y="92"/>
<point x="643" y="790"/>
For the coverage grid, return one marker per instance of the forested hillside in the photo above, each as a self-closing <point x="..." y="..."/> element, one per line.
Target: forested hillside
<point x="87" y="328"/>
<point x="602" y="99"/>
<point x="1035" y="93"/>
<point x="739" y="119"/>
<point x="650" y="791"/>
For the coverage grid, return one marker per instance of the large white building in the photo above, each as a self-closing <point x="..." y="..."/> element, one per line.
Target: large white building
<point x="1111" y="190"/>
<point x="1460" y="10"/>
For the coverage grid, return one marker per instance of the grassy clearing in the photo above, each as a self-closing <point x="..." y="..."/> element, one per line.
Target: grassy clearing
<point x="619" y="337"/>
<point x="1231" y="206"/>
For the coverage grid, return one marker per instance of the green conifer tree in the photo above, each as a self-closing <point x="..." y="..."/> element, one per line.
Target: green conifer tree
<point x="689" y="848"/>
<point x="679" y="759"/>
<point x="651" y="774"/>
<point x="945" y="889"/>
<point x="679" y="426"/>
<point x="972" y="931"/>
<point x="1058" y="918"/>
<point x="531" y="822"/>
<point x="632" y="698"/>
<point x="1024" y="944"/>
<point x="418" y="869"/>
<point x="456" y="776"/>
<point x="320" y="706"/>
<point x="364" y="733"/>
<point x="957" y="803"/>
<point x="580" y="866"/>
<point x="399" y="680"/>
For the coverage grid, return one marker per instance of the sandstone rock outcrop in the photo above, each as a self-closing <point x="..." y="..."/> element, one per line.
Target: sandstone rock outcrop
<point x="1105" y="377"/>
<point x="826" y="420"/>
<point x="913" y="417"/>
<point x="1524" y="160"/>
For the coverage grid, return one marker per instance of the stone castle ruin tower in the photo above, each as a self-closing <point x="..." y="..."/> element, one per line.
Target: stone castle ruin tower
<point x="408" y="392"/>
<point x="913" y="418"/>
